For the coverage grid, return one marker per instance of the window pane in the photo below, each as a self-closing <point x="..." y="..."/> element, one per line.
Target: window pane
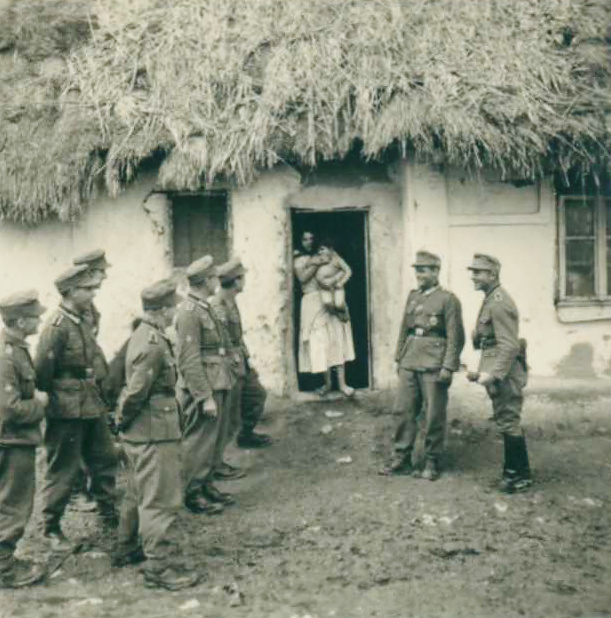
<point x="579" y="217"/>
<point x="580" y="268"/>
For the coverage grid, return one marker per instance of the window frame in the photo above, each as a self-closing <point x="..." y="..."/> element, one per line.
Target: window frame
<point x="601" y="292"/>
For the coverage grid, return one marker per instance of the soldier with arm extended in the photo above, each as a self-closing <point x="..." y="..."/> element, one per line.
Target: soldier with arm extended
<point x="206" y="378"/>
<point x="430" y="342"/>
<point x="148" y="419"/>
<point x="502" y="368"/>
<point x="22" y="408"/>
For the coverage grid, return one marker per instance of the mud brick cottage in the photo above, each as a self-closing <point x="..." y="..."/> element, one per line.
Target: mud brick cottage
<point x="164" y="131"/>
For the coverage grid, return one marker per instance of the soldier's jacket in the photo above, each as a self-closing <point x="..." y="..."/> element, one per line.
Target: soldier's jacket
<point x="202" y="344"/>
<point x="228" y="313"/>
<point x="65" y="367"/>
<point x="496" y="333"/>
<point x="148" y="411"/>
<point x="20" y="413"/>
<point x="432" y="335"/>
<point x="100" y="366"/>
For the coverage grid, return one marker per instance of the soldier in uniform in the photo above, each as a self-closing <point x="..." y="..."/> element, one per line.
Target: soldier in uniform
<point x="431" y="339"/>
<point x="22" y="408"/>
<point x="502" y="368"/>
<point x="149" y="424"/>
<point x="207" y="376"/>
<point x="249" y="395"/>
<point x="76" y="417"/>
<point x="96" y="267"/>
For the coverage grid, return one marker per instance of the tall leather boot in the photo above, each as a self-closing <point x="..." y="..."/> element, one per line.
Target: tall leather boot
<point x="516" y="469"/>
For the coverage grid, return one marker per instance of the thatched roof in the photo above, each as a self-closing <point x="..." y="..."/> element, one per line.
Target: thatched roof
<point x="227" y="87"/>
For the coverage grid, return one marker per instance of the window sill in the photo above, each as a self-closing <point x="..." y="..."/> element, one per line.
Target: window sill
<point x="583" y="310"/>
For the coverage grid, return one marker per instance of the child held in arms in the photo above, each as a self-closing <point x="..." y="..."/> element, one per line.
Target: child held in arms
<point x="332" y="277"/>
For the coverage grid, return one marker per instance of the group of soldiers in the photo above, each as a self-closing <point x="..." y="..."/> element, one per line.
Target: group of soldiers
<point x="178" y="405"/>
<point x="431" y="340"/>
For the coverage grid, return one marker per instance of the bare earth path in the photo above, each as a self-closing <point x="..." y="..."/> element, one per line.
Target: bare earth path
<point x="315" y="537"/>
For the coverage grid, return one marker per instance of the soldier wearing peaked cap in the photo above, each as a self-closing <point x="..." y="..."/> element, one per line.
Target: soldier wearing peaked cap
<point x="22" y="408"/>
<point x="76" y="428"/>
<point x="96" y="267"/>
<point x="207" y="377"/>
<point x="502" y="368"/>
<point x="431" y="339"/>
<point x="248" y="395"/>
<point x="148" y="419"/>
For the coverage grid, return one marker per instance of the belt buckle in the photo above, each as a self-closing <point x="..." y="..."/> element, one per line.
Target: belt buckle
<point x="419" y="332"/>
<point x="222" y="352"/>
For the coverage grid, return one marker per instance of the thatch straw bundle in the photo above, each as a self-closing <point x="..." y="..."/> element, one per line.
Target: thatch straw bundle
<point x="225" y="88"/>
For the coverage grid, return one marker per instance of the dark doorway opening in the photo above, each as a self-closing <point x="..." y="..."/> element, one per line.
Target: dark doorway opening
<point x="199" y="224"/>
<point x="347" y="228"/>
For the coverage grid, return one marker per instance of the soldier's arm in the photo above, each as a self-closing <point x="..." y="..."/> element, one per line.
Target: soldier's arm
<point x="145" y="369"/>
<point x="507" y="346"/>
<point x="13" y="407"/>
<point x="455" y="333"/>
<point x="190" y="364"/>
<point x="48" y="354"/>
<point x="402" y="332"/>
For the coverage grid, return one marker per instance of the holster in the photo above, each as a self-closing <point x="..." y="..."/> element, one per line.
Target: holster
<point x="522" y="358"/>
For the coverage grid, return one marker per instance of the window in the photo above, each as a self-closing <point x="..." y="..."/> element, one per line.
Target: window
<point x="585" y="248"/>
<point x="199" y="223"/>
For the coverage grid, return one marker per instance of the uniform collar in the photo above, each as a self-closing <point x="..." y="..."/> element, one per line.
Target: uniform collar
<point x="69" y="313"/>
<point x="429" y="291"/>
<point x="202" y="302"/>
<point x="493" y="289"/>
<point x="10" y="336"/>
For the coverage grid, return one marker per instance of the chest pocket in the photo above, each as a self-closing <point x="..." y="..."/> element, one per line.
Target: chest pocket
<point x="27" y="382"/>
<point x="210" y="335"/>
<point x="74" y="350"/>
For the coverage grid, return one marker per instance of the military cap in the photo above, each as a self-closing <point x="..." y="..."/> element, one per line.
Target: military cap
<point x="231" y="270"/>
<point x="96" y="260"/>
<point x="159" y="295"/>
<point x="21" y="305"/>
<point x="75" y="277"/>
<point x="481" y="261"/>
<point x="425" y="258"/>
<point x="201" y="269"/>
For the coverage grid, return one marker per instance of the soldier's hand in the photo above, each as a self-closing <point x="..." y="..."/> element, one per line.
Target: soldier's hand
<point x="42" y="398"/>
<point x="209" y="407"/>
<point x="445" y="376"/>
<point x="485" y="379"/>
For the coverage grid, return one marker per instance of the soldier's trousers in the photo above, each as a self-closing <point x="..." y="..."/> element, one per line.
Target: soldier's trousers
<point x="151" y="502"/>
<point x="507" y="399"/>
<point x="201" y="438"/>
<point x="17" y="487"/>
<point x="68" y="443"/>
<point x="422" y="401"/>
<point x="246" y="405"/>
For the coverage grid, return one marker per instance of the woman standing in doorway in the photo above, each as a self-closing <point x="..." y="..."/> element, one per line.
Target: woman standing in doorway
<point x="325" y="336"/>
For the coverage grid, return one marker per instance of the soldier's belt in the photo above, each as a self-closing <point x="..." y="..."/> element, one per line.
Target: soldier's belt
<point x="76" y="373"/>
<point x="213" y="351"/>
<point x="487" y="343"/>
<point x="421" y="332"/>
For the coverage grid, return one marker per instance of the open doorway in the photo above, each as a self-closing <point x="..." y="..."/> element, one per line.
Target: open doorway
<point x="347" y="228"/>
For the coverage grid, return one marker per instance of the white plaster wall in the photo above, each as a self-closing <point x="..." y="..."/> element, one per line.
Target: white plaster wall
<point x="136" y="244"/>
<point x="260" y="237"/>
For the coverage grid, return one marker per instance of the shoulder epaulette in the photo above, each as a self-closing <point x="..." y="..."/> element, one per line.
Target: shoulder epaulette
<point x="153" y="338"/>
<point x="59" y="318"/>
<point x="498" y="295"/>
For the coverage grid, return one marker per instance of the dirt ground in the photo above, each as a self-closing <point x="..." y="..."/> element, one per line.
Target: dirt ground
<point x="317" y="533"/>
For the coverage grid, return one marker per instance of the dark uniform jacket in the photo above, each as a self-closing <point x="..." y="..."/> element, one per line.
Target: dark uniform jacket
<point x="100" y="366"/>
<point x="20" y="413"/>
<point x="202" y="342"/>
<point x="148" y="411"/>
<point x="496" y="334"/>
<point x="432" y="334"/>
<point x="228" y="313"/>
<point x="65" y="367"/>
